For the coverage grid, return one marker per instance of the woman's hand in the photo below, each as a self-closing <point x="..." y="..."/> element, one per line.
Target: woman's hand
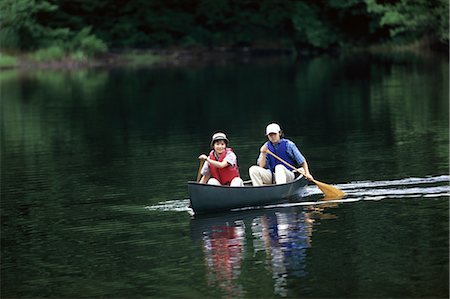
<point x="203" y="157"/>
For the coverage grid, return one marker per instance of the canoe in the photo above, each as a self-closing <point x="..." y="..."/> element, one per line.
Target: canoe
<point x="209" y="198"/>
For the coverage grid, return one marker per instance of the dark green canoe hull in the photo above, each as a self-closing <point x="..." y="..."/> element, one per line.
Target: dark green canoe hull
<point x="208" y="198"/>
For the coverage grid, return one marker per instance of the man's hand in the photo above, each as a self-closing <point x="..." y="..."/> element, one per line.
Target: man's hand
<point x="309" y="176"/>
<point x="263" y="149"/>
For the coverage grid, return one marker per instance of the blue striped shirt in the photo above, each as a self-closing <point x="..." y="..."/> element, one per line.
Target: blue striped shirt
<point x="291" y="150"/>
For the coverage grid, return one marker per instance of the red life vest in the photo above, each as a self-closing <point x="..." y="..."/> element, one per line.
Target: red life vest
<point x="223" y="175"/>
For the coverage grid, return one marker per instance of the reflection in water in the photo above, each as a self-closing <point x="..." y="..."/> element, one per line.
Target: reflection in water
<point x="224" y="247"/>
<point x="283" y="236"/>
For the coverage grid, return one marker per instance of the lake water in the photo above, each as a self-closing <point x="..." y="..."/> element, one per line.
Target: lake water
<point x="94" y="166"/>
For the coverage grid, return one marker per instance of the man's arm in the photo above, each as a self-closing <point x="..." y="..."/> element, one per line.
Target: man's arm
<point x="306" y="168"/>
<point x="299" y="158"/>
<point x="262" y="159"/>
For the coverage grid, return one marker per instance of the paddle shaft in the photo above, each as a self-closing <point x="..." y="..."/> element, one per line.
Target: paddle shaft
<point x="199" y="174"/>
<point x="278" y="158"/>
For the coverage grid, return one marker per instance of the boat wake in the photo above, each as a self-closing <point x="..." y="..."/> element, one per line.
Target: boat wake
<point x="427" y="187"/>
<point x="409" y="187"/>
<point x="176" y="205"/>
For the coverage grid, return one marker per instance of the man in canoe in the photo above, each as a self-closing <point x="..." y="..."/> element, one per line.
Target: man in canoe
<point x="270" y="169"/>
<point x="221" y="167"/>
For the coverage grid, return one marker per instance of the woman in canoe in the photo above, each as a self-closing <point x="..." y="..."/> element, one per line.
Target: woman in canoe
<point x="221" y="167"/>
<point x="269" y="169"/>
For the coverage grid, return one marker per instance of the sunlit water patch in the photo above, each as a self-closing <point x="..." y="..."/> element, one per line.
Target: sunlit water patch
<point x="427" y="187"/>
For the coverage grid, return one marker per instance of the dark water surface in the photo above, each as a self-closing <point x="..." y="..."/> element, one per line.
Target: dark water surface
<point x="95" y="164"/>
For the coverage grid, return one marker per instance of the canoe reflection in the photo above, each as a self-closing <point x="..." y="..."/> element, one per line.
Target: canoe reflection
<point x="279" y="238"/>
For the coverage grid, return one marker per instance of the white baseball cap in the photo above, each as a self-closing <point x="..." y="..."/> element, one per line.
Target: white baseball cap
<point x="219" y="136"/>
<point x="273" y="128"/>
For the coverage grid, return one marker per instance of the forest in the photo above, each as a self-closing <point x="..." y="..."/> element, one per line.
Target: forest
<point x="94" y="27"/>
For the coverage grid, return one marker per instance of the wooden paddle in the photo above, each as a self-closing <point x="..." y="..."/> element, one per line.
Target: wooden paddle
<point x="199" y="174"/>
<point x="329" y="191"/>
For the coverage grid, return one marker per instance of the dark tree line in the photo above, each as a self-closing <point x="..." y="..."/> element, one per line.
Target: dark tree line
<point x="94" y="26"/>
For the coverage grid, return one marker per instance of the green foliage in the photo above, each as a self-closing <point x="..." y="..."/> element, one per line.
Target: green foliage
<point x="23" y="27"/>
<point x="48" y="54"/>
<point x="145" y="58"/>
<point x="87" y="43"/>
<point x="80" y="47"/>
<point x="20" y="27"/>
<point x="89" y="28"/>
<point x="413" y="18"/>
<point x="78" y="56"/>
<point x="310" y="27"/>
<point x="7" y="61"/>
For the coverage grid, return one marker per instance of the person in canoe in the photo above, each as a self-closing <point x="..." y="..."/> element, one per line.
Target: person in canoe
<point x="221" y="166"/>
<point x="269" y="169"/>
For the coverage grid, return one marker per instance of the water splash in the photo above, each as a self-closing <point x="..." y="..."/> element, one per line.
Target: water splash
<point x="427" y="187"/>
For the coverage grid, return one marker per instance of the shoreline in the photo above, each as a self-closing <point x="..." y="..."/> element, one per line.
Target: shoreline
<point x="181" y="57"/>
<point x="150" y="57"/>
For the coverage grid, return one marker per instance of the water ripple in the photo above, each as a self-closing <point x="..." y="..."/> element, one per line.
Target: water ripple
<point x="427" y="187"/>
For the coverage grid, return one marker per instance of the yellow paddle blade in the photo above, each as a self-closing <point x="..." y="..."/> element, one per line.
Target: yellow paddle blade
<point x="329" y="191"/>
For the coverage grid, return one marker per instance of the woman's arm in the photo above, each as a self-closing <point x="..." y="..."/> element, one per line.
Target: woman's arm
<point x="204" y="179"/>
<point x="217" y="164"/>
